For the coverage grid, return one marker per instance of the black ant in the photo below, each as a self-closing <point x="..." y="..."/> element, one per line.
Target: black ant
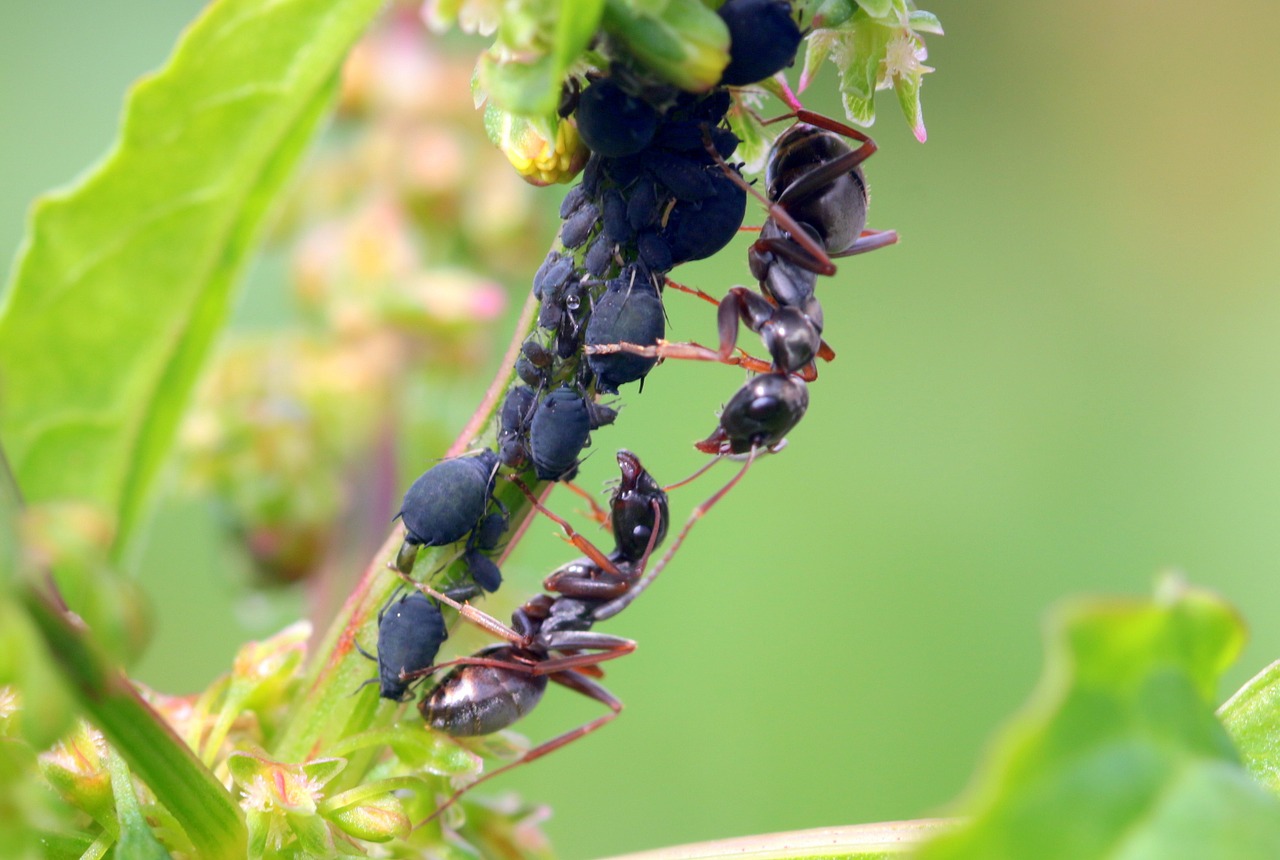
<point x="550" y="636"/>
<point x="817" y="201"/>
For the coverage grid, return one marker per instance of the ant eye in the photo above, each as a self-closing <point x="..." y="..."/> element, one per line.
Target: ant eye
<point x="763" y="40"/>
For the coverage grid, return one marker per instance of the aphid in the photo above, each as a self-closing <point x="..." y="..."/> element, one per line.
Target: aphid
<point x="513" y="426"/>
<point x="578" y="226"/>
<point x="612" y="122"/>
<point x="553" y="274"/>
<point x="763" y="40"/>
<point x="482" y="570"/>
<point x="534" y="363"/>
<point x="561" y="427"/>
<point x="695" y="230"/>
<point x="410" y="633"/>
<point x="446" y="504"/>
<point x="629" y="311"/>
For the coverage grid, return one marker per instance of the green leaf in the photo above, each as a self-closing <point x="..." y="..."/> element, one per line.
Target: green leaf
<point x="198" y="801"/>
<point x="10" y="512"/>
<point x="1118" y="754"/>
<point x="856" y="842"/>
<point x="908" y="91"/>
<point x="858" y="56"/>
<point x="1252" y="717"/>
<point x="576" y="25"/>
<point x="877" y="8"/>
<point x="524" y="71"/>
<point x="136" y="838"/>
<point x="924" y="22"/>
<point x="525" y="88"/>
<point x="831" y="13"/>
<point x="126" y="278"/>
<point x="685" y="43"/>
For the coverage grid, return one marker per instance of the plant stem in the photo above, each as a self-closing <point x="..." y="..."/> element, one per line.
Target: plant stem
<point x="857" y="842"/>
<point x="326" y="712"/>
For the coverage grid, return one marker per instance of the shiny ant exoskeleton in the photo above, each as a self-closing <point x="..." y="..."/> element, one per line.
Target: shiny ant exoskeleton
<point x="817" y="199"/>
<point x="550" y="637"/>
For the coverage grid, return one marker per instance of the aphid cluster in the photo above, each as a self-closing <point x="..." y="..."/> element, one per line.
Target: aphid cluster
<point x="817" y="199"/>
<point x="658" y="190"/>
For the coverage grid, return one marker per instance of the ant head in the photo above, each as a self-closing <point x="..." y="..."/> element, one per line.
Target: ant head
<point x="791" y="338"/>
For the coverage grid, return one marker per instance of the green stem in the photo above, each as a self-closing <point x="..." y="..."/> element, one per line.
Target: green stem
<point x="326" y="713"/>
<point x="858" y="842"/>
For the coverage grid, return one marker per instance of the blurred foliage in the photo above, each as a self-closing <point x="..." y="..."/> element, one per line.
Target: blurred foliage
<point x="378" y="235"/>
<point x="1119" y="754"/>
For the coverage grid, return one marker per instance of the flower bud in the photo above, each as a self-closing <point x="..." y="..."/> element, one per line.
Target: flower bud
<point x="378" y="819"/>
<point x="542" y="150"/>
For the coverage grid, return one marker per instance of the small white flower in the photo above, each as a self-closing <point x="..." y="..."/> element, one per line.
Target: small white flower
<point x="9" y="702"/>
<point x="904" y="58"/>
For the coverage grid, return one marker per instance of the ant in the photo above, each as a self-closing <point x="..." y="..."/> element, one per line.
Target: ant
<point x="817" y="201"/>
<point x="550" y="637"/>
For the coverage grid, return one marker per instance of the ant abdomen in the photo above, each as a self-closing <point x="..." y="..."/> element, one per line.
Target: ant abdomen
<point x="482" y="699"/>
<point x="835" y="210"/>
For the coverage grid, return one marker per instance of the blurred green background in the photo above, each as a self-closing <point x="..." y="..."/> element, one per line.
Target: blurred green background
<point x="1064" y="379"/>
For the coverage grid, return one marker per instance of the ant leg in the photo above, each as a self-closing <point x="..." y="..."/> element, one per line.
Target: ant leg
<point x="870" y="240"/>
<point x="575" y="682"/>
<point x="597" y="513"/>
<point x="607" y="648"/>
<point x="604" y="646"/>
<point x="687" y="351"/>
<point x="702" y="470"/>
<point x="614" y="607"/>
<point x="817" y="261"/>
<point x="693" y="291"/>
<point x="473" y="660"/>
<point x="584" y="546"/>
<point x="481" y="619"/>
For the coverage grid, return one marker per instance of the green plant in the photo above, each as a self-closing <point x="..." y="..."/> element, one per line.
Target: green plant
<point x="152" y="243"/>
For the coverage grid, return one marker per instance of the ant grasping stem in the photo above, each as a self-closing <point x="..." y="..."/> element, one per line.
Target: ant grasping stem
<point x="550" y="636"/>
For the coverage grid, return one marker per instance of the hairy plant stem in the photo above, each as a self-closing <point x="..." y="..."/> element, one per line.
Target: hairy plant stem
<point x="326" y="711"/>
